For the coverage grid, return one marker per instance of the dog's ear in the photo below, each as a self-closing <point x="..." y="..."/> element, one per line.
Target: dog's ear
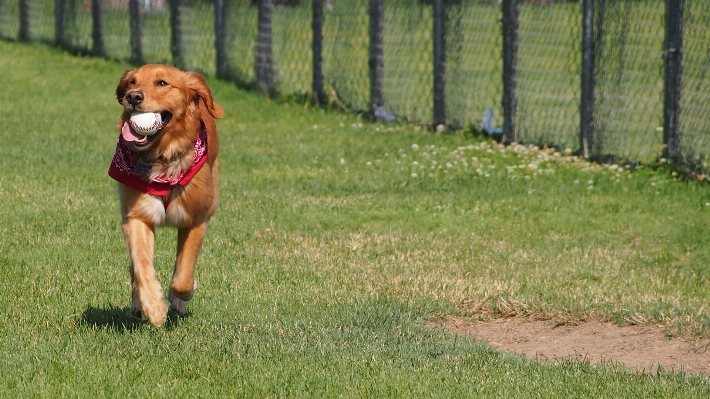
<point x="123" y="85"/>
<point x="196" y="83"/>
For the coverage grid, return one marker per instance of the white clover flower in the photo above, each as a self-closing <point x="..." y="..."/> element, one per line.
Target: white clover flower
<point x="369" y="164"/>
<point x="415" y="163"/>
<point x="415" y="147"/>
<point x="342" y="161"/>
<point x="414" y="175"/>
<point x="590" y="182"/>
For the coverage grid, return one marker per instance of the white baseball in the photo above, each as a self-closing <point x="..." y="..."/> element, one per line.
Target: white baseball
<point x="146" y="123"/>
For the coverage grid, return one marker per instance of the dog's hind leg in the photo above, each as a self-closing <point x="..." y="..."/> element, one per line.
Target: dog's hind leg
<point x="140" y="239"/>
<point x="136" y="310"/>
<point x="183" y="284"/>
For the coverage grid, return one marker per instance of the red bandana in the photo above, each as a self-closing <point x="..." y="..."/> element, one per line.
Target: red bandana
<point x="123" y="169"/>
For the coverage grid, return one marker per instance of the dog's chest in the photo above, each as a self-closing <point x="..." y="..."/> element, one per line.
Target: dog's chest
<point x="161" y="212"/>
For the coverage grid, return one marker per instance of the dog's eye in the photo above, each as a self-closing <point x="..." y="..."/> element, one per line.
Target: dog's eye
<point x="133" y="81"/>
<point x="161" y="82"/>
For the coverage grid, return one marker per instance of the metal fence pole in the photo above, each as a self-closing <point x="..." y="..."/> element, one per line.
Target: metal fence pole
<point x="263" y="52"/>
<point x="674" y="72"/>
<point x="317" y="26"/>
<point x="376" y="60"/>
<point x="24" y="34"/>
<point x="176" y="45"/>
<point x="510" y="60"/>
<point x="439" y="63"/>
<point x="136" y="46"/>
<point x="220" y="42"/>
<point x="98" y="34"/>
<point x="586" y="136"/>
<point x="59" y="22"/>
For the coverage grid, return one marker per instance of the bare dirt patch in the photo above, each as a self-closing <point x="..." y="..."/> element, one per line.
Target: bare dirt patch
<point x="641" y="348"/>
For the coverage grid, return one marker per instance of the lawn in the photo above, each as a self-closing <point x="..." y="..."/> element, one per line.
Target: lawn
<point x="335" y="244"/>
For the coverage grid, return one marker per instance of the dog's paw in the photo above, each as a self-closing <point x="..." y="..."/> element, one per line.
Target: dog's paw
<point x="177" y="304"/>
<point x="157" y="313"/>
<point x="149" y="306"/>
<point x="180" y="300"/>
<point x="137" y="313"/>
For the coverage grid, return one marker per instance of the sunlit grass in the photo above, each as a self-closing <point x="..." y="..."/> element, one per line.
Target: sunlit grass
<point x="336" y="242"/>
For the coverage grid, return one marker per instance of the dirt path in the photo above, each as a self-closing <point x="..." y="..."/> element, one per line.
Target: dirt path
<point x="637" y="347"/>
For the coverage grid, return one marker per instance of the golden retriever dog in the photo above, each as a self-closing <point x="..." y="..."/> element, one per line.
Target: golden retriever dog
<point x="165" y="179"/>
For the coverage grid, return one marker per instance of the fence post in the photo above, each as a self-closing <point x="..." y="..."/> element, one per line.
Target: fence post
<point x="24" y="33"/>
<point x="59" y="22"/>
<point x="176" y="47"/>
<point x="439" y="63"/>
<point x="136" y="47"/>
<point x="586" y="133"/>
<point x="263" y="53"/>
<point x="317" y="26"/>
<point x="98" y="34"/>
<point x="220" y="42"/>
<point x="510" y="61"/>
<point x="376" y="60"/>
<point x="673" y="54"/>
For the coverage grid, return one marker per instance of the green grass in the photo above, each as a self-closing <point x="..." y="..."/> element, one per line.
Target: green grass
<point x="328" y="256"/>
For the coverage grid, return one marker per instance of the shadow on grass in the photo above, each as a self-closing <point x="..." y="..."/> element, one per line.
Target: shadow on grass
<point x="119" y="319"/>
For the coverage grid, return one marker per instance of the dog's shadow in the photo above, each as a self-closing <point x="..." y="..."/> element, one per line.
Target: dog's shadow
<point x="120" y="320"/>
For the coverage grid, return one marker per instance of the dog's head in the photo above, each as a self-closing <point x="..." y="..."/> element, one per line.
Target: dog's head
<point x="174" y="94"/>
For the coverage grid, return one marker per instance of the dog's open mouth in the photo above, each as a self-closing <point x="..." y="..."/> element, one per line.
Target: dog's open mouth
<point x="139" y="140"/>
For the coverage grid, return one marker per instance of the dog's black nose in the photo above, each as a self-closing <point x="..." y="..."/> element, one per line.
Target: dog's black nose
<point x="135" y="97"/>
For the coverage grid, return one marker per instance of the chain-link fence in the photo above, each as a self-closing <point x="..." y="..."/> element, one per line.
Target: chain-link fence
<point x="609" y="78"/>
<point x="629" y="77"/>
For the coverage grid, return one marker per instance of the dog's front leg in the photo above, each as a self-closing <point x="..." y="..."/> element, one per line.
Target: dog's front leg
<point x="183" y="284"/>
<point x="140" y="239"/>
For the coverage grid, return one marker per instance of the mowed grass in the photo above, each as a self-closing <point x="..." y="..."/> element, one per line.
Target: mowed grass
<point x="336" y="242"/>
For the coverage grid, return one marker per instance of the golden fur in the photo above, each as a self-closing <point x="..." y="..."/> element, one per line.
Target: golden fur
<point x="187" y="98"/>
